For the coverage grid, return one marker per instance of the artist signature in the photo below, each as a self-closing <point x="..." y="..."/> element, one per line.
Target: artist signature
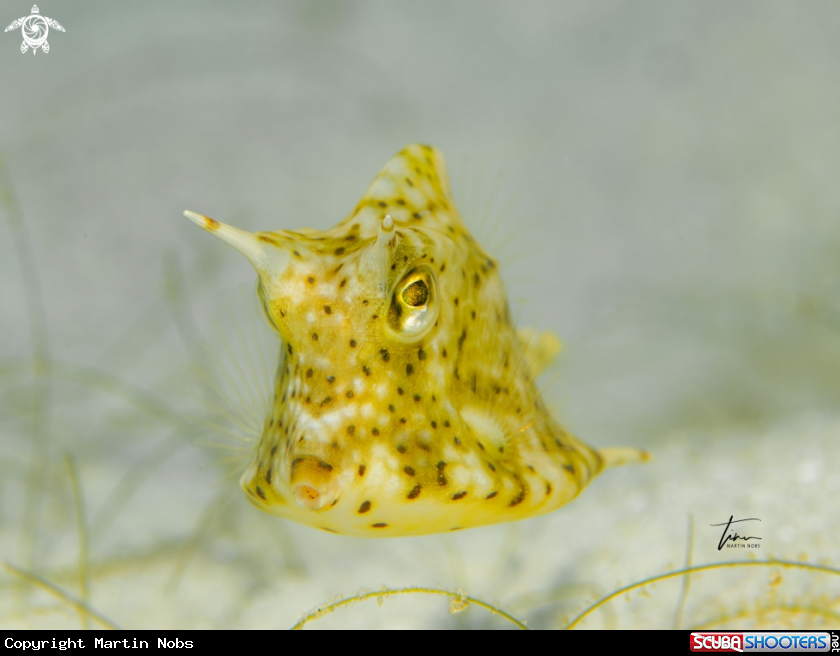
<point x="735" y="537"/>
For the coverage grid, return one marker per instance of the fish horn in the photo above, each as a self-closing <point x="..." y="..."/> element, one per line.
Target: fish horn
<point x="262" y="252"/>
<point x="377" y="257"/>
<point x="386" y="232"/>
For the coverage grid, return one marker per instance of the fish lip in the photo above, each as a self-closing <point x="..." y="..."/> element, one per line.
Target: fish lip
<point x="309" y="497"/>
<point x="313" y="482"/>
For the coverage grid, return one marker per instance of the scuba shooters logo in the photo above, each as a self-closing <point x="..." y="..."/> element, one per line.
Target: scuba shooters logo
<point x="34" y="29"/>
<point x="780" y="641"/>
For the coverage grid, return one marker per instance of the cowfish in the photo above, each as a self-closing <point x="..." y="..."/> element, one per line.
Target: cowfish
<point x="405" y="400"/>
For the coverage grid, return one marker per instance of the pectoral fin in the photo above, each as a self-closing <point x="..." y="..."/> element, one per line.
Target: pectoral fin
<point x="540" y="349"/>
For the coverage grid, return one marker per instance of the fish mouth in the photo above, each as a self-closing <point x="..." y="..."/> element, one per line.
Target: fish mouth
<point x="313" y="482"/>
<point x="308" y="497"/>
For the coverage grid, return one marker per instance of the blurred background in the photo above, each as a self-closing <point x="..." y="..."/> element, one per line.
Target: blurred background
<point x="657" y="179"/>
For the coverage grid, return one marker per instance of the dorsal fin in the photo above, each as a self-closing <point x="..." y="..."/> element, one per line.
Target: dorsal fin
<point x="413" y="186"/>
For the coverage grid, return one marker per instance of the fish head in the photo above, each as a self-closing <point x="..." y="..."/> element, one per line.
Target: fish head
<point x="398" y="388"/>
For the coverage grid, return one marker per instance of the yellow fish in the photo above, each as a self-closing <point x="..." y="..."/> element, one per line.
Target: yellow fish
<point x="404" y="400"/>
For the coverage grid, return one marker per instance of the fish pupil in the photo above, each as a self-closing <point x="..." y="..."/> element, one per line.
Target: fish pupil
<point x="416" y="294"/>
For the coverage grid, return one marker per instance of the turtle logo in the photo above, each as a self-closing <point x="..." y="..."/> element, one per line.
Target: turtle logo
<point x="34" y="29"/>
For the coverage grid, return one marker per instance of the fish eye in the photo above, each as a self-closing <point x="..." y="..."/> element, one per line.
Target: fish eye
<point x="414" y="307"/>
<point x="416" y="294"/>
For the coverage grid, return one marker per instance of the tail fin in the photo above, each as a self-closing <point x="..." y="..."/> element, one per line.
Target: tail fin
<point x="615" y="456"/>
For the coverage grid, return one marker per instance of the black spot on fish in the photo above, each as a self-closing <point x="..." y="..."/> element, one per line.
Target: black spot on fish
<point x="519" y="499"/>
<point x="441" y="479"/>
